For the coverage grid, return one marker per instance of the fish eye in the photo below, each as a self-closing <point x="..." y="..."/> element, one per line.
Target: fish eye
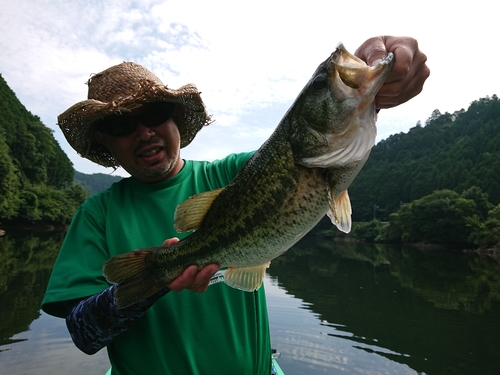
<point x="319" y="82"/>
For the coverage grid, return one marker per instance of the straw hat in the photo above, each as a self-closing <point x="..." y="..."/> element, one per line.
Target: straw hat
<point x="120" y="89"/>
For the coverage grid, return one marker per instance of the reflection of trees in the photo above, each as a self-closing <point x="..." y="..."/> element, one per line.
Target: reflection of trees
<point x="439" y="309"/>
<point x="24" y="273"/>
<point x="450" y="281"/>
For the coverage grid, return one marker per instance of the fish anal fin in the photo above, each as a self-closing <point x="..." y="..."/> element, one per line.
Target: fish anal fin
<point x="248" y="279"/>
<point x="340" y="212"/>
<point x="190" y="213"/>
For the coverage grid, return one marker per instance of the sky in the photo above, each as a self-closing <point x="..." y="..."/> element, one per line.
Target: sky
<point x="250" y="59"/>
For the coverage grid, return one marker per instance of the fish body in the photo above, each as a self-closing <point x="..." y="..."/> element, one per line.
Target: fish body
<point x="298" y="175"/>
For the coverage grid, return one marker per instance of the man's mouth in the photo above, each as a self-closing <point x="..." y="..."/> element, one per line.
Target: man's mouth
<point x="151" y="152"/>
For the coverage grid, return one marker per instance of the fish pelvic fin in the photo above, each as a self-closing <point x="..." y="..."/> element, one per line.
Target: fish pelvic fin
<point x="135" y="281"/>
<point x="190" y="213"/>
<point x="248" y="279"/>
<point x="340" y="212"/>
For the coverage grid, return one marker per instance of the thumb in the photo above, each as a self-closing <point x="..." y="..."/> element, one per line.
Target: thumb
<point x="372" y="51"/>
<point x="170" y="241"/>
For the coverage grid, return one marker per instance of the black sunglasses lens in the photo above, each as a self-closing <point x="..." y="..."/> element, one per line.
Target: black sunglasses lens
<point x="117" y="125"/>
<point x="156" y="114"/>
<point x="125" y="126"/>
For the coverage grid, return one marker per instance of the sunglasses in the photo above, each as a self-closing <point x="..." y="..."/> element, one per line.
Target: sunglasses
<point x="154" y="114"/>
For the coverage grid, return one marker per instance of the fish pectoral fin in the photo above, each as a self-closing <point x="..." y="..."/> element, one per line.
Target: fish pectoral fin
<point x="190" y="213"/>
<point x="340" y="212"/>
<point x="246" y="278"/>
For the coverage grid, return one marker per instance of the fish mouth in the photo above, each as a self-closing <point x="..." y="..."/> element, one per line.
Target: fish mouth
<point x="356" y="74"/>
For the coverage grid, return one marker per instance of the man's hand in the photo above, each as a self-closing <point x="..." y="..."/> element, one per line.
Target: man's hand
<point x="192" y="278"/>
<point x="408" y="74"/>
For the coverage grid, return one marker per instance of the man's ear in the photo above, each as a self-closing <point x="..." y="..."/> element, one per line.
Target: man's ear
<point x="101" y="139"/>
<point x="176" y="114"/>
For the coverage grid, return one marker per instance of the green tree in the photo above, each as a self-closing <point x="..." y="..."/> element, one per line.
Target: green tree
<point x="440" y="217"/>
<point x="367" y="231"/>
<point x="486" y="233"/>
<point x="36" y="176"/>
<point x="9" y="182"/>
<point x="480" y="198"/>
<point x="452" y="151"/>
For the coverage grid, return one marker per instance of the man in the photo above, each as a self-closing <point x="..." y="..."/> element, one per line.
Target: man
<point x="131" y="119"/>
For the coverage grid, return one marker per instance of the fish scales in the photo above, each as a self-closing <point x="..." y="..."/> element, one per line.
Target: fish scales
<point x="298" y="175"/>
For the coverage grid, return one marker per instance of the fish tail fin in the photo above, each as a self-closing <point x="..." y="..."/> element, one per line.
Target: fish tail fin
<point x="135" y="280"/>
<point x="340" y="212"/>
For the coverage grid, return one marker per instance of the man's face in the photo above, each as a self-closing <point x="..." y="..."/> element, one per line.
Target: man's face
<point x="150" y="154"/>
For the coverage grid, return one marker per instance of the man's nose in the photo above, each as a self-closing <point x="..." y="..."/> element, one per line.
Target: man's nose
<point x="144" y="132"/>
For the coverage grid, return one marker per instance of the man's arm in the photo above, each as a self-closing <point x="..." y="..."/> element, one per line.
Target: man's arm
<point x="95" y="322"/>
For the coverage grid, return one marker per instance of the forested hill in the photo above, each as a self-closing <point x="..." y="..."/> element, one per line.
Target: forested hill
<point x="451" y="151"/>
<point x="36" y="176"/>
<point x="96" y="182"/>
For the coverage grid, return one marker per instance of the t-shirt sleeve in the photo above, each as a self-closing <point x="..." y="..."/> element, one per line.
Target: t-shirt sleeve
<point x="77" y="272"/>
<point x="224" y="170"/>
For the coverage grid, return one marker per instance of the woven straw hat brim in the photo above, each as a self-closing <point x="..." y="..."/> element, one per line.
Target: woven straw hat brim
<point x="77" y="122"/>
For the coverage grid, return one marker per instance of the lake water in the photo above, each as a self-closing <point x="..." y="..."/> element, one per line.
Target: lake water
<point x="334" y="308"/>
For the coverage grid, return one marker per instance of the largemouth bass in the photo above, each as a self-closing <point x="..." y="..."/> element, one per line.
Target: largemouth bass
<point x="298" y="175"/>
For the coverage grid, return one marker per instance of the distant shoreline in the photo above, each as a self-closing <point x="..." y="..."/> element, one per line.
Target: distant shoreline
<point x="17" y="228"/>
<point x="41" y="228"/>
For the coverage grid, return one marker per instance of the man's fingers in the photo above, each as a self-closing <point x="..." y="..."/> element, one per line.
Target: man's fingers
<point x="203" y="277"/>
<point x="194" y="279"/>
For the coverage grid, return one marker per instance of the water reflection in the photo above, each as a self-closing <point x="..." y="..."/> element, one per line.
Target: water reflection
<point x="30" y="341"/>
<point x="309" y="346"/>
<point x="24" y="271"/>
<point x="435" y="312"/>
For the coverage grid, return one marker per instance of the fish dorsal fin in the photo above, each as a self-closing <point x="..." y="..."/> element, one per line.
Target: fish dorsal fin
<point x="190" y="213"/>
<point x="246" y="278"/>
<point x="340" y="212"/>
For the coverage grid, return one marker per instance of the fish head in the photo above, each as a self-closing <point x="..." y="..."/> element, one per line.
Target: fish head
<point x="332" y="122"/>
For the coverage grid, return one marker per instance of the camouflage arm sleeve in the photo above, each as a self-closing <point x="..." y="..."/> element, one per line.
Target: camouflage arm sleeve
<point x="95" y="322"/>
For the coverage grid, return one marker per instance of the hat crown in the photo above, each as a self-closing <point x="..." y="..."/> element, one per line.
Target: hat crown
<point x="119" y="81"/>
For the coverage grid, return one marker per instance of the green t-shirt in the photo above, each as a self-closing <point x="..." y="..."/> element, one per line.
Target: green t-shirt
<point x="221" y="331"/>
